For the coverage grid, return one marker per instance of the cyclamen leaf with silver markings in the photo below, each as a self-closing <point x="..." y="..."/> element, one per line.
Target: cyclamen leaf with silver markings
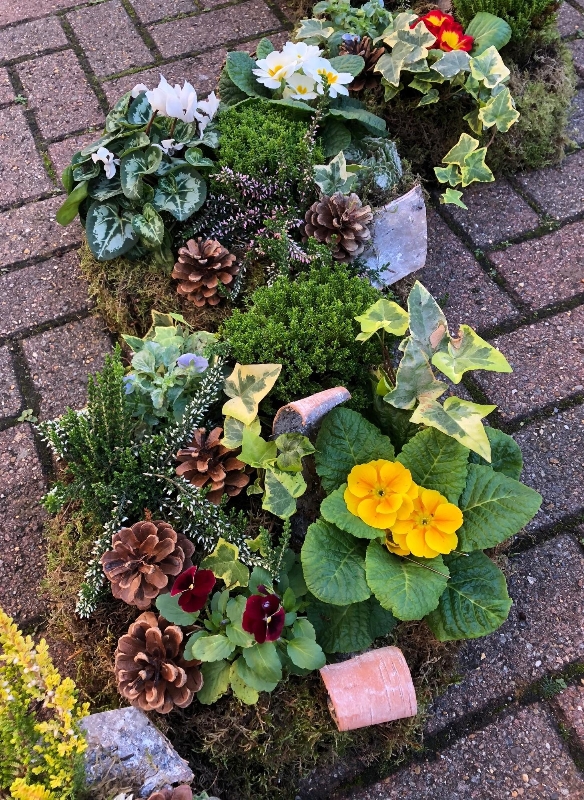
<point x="180" y="193"/>
<point x="109" y="233"/>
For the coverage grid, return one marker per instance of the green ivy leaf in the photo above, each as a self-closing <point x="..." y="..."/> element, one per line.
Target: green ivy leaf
<point x="334" y="565"/>
<point x="212" y="648"/>
<point x="305" y="653"/>
<point x="489" y="68"/>
<point x="436" y="461"/>
<point x="454" y="197"/>
<point x="450" y="174"/>
<point x="499" y="111"/>
<point x="462" y="149"/>
<point x="488" y="31"/>
<point x="246" y="386"/>
<point x="467" y="352"/>
<point x="334" y="509"/>
<point x="171" y="611"/>
<point x="451" y="64"/>
<point x="216" y="676"/>
<point x="292" y="448"/>
<point x="239" y="65"/>
<point x="344" y="440"/>
<point x="263" y="660"/>
<point x="383" y="315"/>
<point x="109" y="233"/>
<point x="149" y="226"/>
<point x="409" y="588"/>
<point x="475" y="602"/>
<point x="347" y="629"/>
<point x="256" y="451"/>
<point x="414" y="379"/>
<point x="281" y="491"/>
<point x="233" y="431"/>
<point x="224" y="564"/>
<point x="475" y="169"/>
<point x="431" y="96"/>
<point x="181" y="192"/>
<point x="70" y="208"/>
<point x="459" y="419"/>
<point x="494" y="508"/>
<point x="506" y="454"/>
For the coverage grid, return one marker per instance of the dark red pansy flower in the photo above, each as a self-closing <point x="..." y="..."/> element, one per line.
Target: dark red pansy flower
<point x="263" y="616"/>
<point x="194" y="587"/>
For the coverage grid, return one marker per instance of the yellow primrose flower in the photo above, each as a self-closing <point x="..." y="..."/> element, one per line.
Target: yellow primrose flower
<point x="430" y="528"/>
<point x="380" y="493"/>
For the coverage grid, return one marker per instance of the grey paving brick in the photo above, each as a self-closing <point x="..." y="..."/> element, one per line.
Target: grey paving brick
<point x="519" y="755"/>
<point x="570" y="704"/>
<point x="61" y="152"/>
<point x="495" y="213"/>
<point x="6" y="90"/>
<point x="553" y="459"/>
<point x="10" y="400"/>
<point x="577" y="48"/>
<point x="569" y="21"/>
<point x="542" y="634"/>
<point x="545" y="270"/>
<point x="547" y="365"/>
<point x="42" y="292"/>
<point x="31" y="37"/>
<point x="22" y="560"/>
<point x="22" y="172"/>
<point x="154" y="10"/>
<point x="59" y="94"/>
<point x="558" y="190"/>
<point x="213" y="28"/>
<point x="575" y="127"/>
<point x="18" y="10"/>
<point x="60" y="360"/>
<point x="456" y="279"/>
<point x="109" y="39"/>
<point x="32" y="230"/>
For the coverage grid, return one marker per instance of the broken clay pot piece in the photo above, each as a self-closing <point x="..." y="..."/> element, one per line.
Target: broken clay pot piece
<point x="369" y="689"/>
<point x="302" y="416"/>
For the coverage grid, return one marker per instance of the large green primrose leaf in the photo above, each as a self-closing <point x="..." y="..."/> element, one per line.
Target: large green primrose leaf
<point x="488" y="31"/>
<point x="281" y="491"/>
<point x="408" y="587"/>
<point x="181" y="192"/>
<point x="475" y="602"/>
<point x="414" y="379"/>
<point x="214" y="647"/>
<point x="436" y="461"/>
<point x="489" y="68"/>
<point x="506" y="454"/>
<point x="383" y="315"/>
<point x="215" y="681"/>
<point x="224" y="563"/>
<point x="336" y="176"/>
<point x="264" y="48"/>
<point x="134" y="166"/>
<point x="109" y="233"/>
<point x="499" y="111"/>
<point x="247" y="386"/>
<point x="292" y="448"/>
<point x="149" y="226"/>
<point x="334" y="565"/>
<point x="451" y="64"/>
<point x="334" y="509"/>
<point x="494" y="508"/>
<point x="335" y="137"/>
<point x="256" y="451"/>
<point x="239" y="687"/>
<point x="373" y="123"/>
<point x="70" y="208"/>
<point x="347" y="629"/>
<point x="239" y="65"/>
<point x="466" y="352"/>
<point x="346" y="439"/>
<point x="459" y="419"/>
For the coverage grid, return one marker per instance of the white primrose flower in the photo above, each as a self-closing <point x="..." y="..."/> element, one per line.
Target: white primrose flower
<point x="300" y="87"/>
<point x="301" y="51"/>
<point x="169" y="146"/>
<point x="108" y="159"/>
<point x="275" y="68"/>
<point x="174" y="102"/>
<point x="323" y="73"/>
<point x="138" y="88"/>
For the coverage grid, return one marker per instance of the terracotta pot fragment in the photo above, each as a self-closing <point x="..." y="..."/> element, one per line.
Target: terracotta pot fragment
<point x="369" y="689"/>
<point x="302" y="416"/>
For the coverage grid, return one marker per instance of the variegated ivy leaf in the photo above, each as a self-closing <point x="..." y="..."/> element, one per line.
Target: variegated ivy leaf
<point x="390" y="67"/>
<point x="430" y="97"/>
<point x="383" y="315"/>
<point x="225" y="564"/>
<point x="233" y="431"/>
<point x="475" y="169"/>
<point x="467" y="352"/>
<point x="450" y="174"/>
<point x="336" y="176"/>
<point x="499" y="111"/>
<point x="474" y="121"/>
<point x="428" y="325"/>
<point x="414" y="379"/>
<point x="454" y="197"/>
<point x="389" y="91"/>
<point x="401" y="22"/>
<point x="489" y="68"/>
<point x="292" y="447"/>
<point x="459" y="419"/>
<point x="247" y="385"/>
<point x="318" y="29"/>
<point x="450" y="64"/>
<point x="461" y="150"/>
<point x="419" y="38"/>
<point x="282" y="489"/>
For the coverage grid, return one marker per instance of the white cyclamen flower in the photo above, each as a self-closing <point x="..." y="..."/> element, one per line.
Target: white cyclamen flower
<point x="300" y="87"/>
<point x="108" y="159"/>
<point x="174" y="102"/>
<point x="274" y="68"/>
<point x="301" y="51"/>
<point x="209" y="106"/>
<point x="169" y="146"/>
<point x="324" y="74"/>
<point x="138" y="88"/>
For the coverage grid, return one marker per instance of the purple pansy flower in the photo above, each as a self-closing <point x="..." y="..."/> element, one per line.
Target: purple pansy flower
<point x="263" y="616"/>
<point x="194" y="587"/>
<point x="198" y="363"/>
<point x="129" y="383"/>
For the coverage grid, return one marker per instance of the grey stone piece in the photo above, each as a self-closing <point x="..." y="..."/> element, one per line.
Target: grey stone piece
<point x="125" y="743"/>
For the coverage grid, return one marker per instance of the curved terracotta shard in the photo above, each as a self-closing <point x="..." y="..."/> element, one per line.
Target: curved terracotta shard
<point x="369" y="689"/>
<point x="302" y="416"/>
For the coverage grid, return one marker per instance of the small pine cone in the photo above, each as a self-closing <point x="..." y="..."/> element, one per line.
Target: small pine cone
<point x="363" y="47"/>
<point x="180" y="793"/>
<point x="340" y="221"/>
<point x="143" y="560"/>
<point x="206" y="462"/>
<point x="150" y="669"/>
<point x="201" y="267"/>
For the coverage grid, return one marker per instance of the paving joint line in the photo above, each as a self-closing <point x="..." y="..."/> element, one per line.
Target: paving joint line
<point x="29" y="201"/>
<point x="48" y="325"/>
<point x="527" y="540"/>
<point x="90" y="75"/>
<point x="31" y="261"/>
<point x="49" y="51"/>
<point x="142" y="31"/>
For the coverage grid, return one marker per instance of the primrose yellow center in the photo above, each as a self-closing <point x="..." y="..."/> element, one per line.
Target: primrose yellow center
<point x="451" y="39"/>
<point x="301" y="89"/>
<point x="274" y="70"/>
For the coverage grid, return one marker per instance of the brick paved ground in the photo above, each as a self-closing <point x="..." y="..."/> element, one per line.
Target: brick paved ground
<point x="513" y="267"/>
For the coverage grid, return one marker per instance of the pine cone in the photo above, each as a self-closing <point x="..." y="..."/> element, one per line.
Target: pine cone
<point x="180" y="793"/>
<point x="142" y="559"/>
<point x="206" y="461"/>
<point x="150" y="669"/>
<point x="363" y="47"/>
<point x="341" y="221"/>
<point x="201" y="267"/>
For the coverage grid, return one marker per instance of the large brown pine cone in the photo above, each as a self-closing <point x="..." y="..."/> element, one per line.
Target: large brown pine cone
<point x="363" y="47"/>
<point x="201" y="267"/>
<point x="341" y="221"/>
<point x="142" y="560"/>
<point x="206" y="461"/>
<point x="150" y="669"/>
<point x="180" y="793"/>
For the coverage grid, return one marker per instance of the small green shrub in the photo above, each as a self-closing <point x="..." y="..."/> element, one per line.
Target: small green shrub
<point x="308" y="326"/>
<point x="525" y="17"/>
